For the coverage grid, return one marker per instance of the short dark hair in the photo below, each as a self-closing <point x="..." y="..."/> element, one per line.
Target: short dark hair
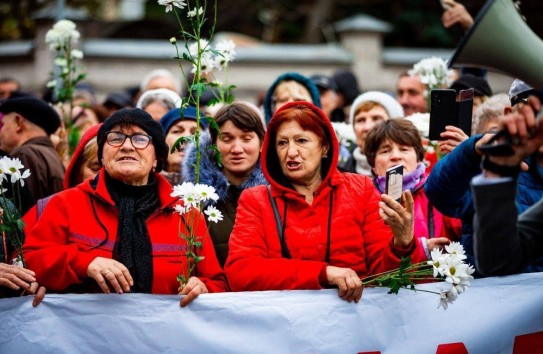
<point x="242" y="116"/>
<point x="399" y="131"/>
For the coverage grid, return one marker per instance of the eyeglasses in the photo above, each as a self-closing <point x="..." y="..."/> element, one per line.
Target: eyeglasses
<point x="139" y="141"/>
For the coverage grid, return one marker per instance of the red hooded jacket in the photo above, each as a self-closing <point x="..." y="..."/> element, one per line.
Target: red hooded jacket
<point x="80" y="224"/>
<point x="359" y="239"/>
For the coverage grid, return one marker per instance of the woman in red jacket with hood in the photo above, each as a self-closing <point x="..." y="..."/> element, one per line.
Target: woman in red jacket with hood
<point x="314" y="227"/>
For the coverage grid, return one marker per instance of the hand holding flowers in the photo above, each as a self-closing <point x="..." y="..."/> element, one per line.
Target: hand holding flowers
<point x="14" y="276"/>
<point x="448" y="267"/>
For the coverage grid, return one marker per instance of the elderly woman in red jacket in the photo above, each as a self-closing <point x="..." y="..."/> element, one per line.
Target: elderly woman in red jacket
<point x="313" y="227"/>
<point x="119" y="230"/>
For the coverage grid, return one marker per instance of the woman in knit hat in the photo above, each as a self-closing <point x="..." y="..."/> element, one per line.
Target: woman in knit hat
<point x="290" y="87"/>
<point x="124" y="234"/>
<point x="367" y="110"/>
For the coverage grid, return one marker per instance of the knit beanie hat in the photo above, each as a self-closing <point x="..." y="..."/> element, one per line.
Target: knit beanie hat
<point x="174" y="115"/>
<point x="290" y="76"/>
<point x="142" y="119"/>
<point x="347" y="85"/>
<point x="34" y="110"/>
<point x="479" y="85"/>
<point x="393" y="107"/>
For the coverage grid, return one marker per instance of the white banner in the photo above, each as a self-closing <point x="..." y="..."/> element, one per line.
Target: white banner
<point x="495" y="315"/>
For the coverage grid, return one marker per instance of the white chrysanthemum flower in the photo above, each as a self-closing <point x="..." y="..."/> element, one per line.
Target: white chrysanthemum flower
<point x="345" y="132"/>
<point x="207" y="64"/>
<point x="63" y="32"/>
<point x="61" y="62"/>
<point x="455" y="271"/>
<point x="447" y="297"/>
<point x="195" y="12"/>
<point x="51" y="84"/>
<point x="4" y="166"/>
<point x="455" y="249"/>
<point x="180" y="209"/>
<point x="76" y="54"/>
<point x="173" y="40"/>
<point x="206" y="192"/>
<point x="432" y="72"/>
<point x="171" y="3"/>
<point x="13" y="167"/>
<point x="213" y="214"/>
<point x="180" y="190"/>
<point x="193" y="47"/>
<point x="227" y="53"/>
<point x="438" y="262"/>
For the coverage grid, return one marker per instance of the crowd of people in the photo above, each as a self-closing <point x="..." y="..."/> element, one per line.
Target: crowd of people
<point x="301" y="208"/>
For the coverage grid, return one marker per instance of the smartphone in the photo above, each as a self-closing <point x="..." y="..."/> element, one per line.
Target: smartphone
<point x="394" y="182"/>
<point x="442" y="111"/>
<point x="465" y="110"/>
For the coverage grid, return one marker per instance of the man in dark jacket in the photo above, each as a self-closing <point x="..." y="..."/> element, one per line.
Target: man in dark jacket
<point x="24" y="134"/>
<point x="505" y="244"/>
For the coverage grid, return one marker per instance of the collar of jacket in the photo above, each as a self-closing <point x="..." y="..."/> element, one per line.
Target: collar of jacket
<point x="100" y="191"/>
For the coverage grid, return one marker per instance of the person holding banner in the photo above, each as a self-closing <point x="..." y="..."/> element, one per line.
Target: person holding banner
<point x="314" y="227"/>
<point x="119" y="231"/>
<point x="503" y="243"/>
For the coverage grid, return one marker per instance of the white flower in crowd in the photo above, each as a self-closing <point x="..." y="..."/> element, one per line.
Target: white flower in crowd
<point x="4" y="169"/>
<point x="62" y="33"/>
<point x="77" y="54"/>
<point x="455" y="249"/>
<point x="195" y="12"/>
<point x="227" y="53"/>
<point x="193" y="47"/>
<point x="206" y="192"/>
<point x="18" y="262"/>
<point x="447" y="297"/>
<point x="344" y="132"/>
<point x="438" y="262"/>
<point x="51" y="83"/>
<point x="213" y="214"/>
<point x="171" y="3"/>
<point x="432" y="72"/>
<point x="180" y="209"/>
<point x="61" y="62"/>
<point x="13" y="167"/>
<point x="173" y="40"/>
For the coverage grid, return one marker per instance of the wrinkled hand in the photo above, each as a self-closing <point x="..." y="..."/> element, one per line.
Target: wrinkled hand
<point x="437" y="242"/>
<point x="399" y="218"/>
<point x="106" y="270"/>
<point x="348" y="282"/>
<point x="15" y="277"/>
<point x="452" y="137"/>
<point x="191" y="290"/>
<point x="456" y="13"/>
<point x="525" y="130"/>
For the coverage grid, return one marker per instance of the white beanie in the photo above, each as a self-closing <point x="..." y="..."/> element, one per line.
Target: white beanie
<point x="393" y="107"/>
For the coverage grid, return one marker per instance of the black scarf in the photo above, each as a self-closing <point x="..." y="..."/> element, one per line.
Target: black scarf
<point x="133" y="245"/>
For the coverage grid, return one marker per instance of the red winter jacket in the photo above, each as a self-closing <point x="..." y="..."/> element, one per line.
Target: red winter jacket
<point x="59" y="248"/>
<point x="359" y="239"/>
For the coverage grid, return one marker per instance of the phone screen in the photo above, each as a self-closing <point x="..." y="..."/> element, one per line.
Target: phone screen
<point x="394" y="182"/>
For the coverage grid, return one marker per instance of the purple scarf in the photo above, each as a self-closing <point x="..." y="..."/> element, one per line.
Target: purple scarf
<point x="410" y="180"/>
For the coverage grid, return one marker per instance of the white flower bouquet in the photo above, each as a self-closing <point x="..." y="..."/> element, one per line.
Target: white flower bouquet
<point x="432" y="72"/>
<point x="448" y="267"/>
<point x="203" y="59"/>
<point x="11" y="224"/>
<point x="66" y="75"/>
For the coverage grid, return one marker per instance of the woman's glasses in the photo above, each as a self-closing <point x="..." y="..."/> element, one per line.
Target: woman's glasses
<point x="139" y="141"/>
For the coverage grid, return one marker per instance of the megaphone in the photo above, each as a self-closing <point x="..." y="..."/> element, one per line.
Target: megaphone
<point x="500" y="40"/>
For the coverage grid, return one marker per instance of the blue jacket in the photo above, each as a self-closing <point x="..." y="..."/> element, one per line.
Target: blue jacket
<point x="448" y="188"/>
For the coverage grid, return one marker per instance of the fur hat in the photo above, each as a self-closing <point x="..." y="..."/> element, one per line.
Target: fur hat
<point x="393" y="107"/>
<point x="142" y="119"/>
<point x="34" y="110"/>
<point x="174" y="115"/>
